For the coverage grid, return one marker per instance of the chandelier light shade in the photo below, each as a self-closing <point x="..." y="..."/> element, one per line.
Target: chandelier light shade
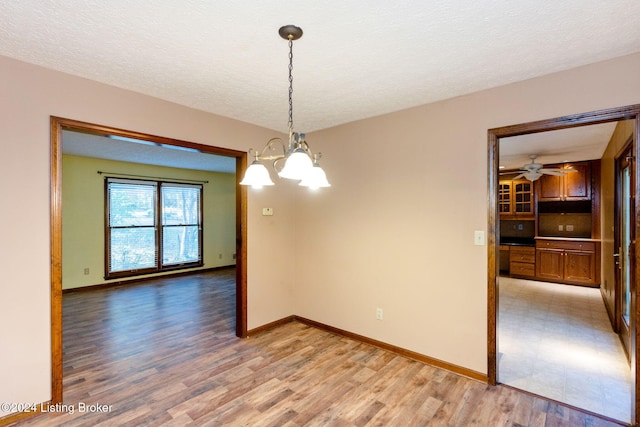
<point x="297" y="166"/>
<point x="297" y="161"/>
<point x="316" y="178"/>
<point x="257" y="175"/>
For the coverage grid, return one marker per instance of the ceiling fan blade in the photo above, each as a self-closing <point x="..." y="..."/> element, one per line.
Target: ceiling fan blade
<point x="519" y="176"/>
<point x="512" y="172"/>
<point x="554" y="172"/>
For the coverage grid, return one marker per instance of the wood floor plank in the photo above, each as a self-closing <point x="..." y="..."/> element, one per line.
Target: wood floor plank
<point x="164" y="353"/>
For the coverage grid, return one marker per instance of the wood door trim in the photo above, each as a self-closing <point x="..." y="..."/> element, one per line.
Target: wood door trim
<point x="493" y="136"/>
<point x="627" y="146"/>
<point x="57" y="125"/>
<point x="56" y="261"/>
<point x="619" y="324"/>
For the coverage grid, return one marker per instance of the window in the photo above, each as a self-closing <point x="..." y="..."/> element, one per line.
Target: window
<point x="151" y="226"/>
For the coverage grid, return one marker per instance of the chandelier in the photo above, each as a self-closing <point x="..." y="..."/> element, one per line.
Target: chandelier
<point x="300" y="163"/>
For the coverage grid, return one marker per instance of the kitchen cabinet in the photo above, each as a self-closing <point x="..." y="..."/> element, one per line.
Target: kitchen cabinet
<point x="515" y="199"/>
<point x="504" y="258"/>
<point x="522" y="261"/>
<point x="572" y="186"/>
<point x="568" y="261"/>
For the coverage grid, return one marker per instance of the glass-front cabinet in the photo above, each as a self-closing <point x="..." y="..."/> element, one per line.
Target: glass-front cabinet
<point x="504" y="197"/>
<point x="515" y="199"/>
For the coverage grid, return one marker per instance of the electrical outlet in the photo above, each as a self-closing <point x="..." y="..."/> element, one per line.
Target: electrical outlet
<point x="267" y="211"/>
<point x="234" y="256"/>
<point x="86" y="271"/>
<point x="569" y="227"/>
<point x="219" y="256"/>
<point x="379" y="313"/>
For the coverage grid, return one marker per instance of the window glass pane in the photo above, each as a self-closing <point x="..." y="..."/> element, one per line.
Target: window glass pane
<point x="180" y="205"/>
<point x="180" y="244"/>
<point x="133" y="214"/>
<point x="132" y="249"/>
<point x="131" y="205"/>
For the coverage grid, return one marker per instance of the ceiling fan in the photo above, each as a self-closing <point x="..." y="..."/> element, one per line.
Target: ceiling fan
<point x="533" y="170"/>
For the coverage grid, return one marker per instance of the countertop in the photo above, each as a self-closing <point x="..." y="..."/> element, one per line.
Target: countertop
<point x="517" y="241"/>
<point x="570" y="239"/>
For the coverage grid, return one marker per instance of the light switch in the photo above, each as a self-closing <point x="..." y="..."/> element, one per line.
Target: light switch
<point x="478" y="238"/>
<point x="267" y="211"/>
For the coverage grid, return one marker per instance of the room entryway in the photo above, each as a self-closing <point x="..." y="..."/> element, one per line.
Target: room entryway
<point x="239" y="201"/>
<point x="512" y="317"/>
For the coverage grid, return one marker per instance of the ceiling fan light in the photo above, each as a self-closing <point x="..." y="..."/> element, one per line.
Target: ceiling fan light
<point x="532" y="176"/>
<point x="297" y="166"/>
<point x="256" y="175"/>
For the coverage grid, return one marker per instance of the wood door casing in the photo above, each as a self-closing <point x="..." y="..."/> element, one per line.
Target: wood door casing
<point x="624" y="243"/>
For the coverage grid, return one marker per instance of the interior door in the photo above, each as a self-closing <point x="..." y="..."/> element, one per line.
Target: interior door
<point x="624" y="243"/>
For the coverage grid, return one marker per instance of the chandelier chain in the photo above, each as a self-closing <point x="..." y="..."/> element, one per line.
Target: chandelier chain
<point x="290" y="85"/>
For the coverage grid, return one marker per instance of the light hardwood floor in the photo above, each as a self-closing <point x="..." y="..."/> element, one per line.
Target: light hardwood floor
<point x="164" y="353"/>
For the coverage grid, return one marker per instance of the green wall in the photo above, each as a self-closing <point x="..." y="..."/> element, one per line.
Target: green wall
<point x="83" y="215"/>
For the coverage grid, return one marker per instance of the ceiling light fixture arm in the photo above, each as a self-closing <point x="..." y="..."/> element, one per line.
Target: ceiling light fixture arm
<point x="296" y="141"/>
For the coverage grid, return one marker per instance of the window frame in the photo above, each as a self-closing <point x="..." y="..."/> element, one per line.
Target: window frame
<point x="158" y="227"/>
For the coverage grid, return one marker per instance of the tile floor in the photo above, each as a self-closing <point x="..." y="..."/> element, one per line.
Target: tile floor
<point x="556" y="341"/>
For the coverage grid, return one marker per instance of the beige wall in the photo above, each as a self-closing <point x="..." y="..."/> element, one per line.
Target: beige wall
<point x="620" y="136"/>
<point x="30" y="95"/>
<point x="395" y="231"/>
<point x="83" y="215"/>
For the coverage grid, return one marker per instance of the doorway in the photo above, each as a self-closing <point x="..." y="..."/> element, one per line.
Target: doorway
<point x="624" y="235"/>
<point x="57" y="126"/>
<point x="494" y="135"/>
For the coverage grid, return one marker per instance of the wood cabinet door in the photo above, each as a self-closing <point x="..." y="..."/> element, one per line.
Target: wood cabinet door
<point x="504" y="198"/>
<point x="550" y="188"/>
<point x="579" y="267"/>
<point x="549" y="264"/>
<point x="516" y="199"/>
<point x="577" y="185"/>
<point x="572" y="186"/>
<point x="522" y="197"/>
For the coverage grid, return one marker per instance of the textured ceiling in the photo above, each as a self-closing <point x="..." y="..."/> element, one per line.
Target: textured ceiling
<point x="357" y="59"/>
<point x="574" y="144"/>
<point x="136" y="151"/>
